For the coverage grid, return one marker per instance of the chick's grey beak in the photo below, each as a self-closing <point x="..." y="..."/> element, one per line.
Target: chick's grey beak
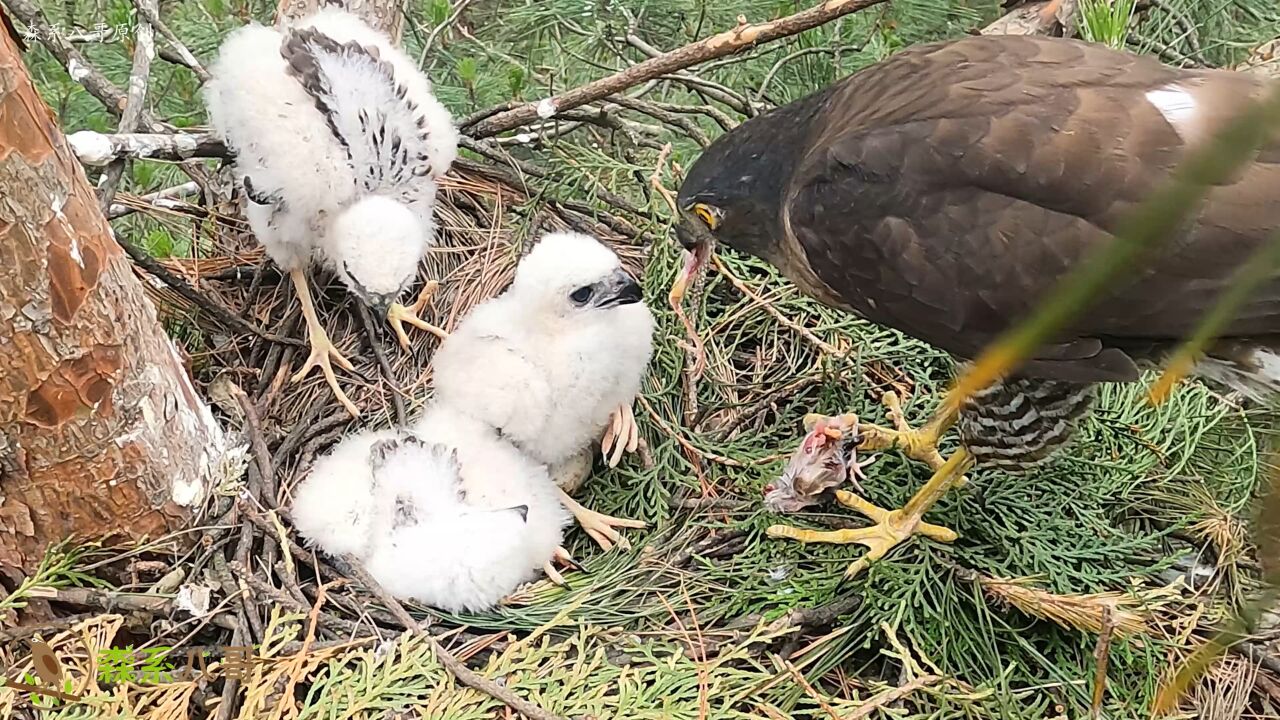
<point x="620" y="289"/>
<point x="381" y="304"/>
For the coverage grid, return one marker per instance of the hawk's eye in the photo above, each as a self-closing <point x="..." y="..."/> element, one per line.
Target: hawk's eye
<point x="707" y="215"/>
<point x="582" y="294"/>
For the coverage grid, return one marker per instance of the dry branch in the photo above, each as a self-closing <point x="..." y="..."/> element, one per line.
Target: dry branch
<point x="144" y="51"/>
<point x="97" y="149"/>
<point x="725" y="43"/>
<point x="184" y="55"/>
<point x="79" y="68"/>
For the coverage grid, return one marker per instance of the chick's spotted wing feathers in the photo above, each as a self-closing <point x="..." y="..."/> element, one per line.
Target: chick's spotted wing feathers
<point x="383" y="131"/>
<point x="944" y="190"/>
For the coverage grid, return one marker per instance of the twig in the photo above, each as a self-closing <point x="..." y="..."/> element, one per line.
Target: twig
<point x="1258" y="655"/>
<point x="146" y="262"/>
<point x="371" y="332"/>
<point x="773" y="71"/>
<point x="144" y="50"/>
<point x="448" y="22"/>
<point x="695" y="83"/>
<point x="57" y="624"/>
<point x="1187" y="27"/>
<point x="166" y="198"/>
<point x="152" y="15"/>
<point x="891" y="695"/>
<point x="96" y="149"/>
<point x="226" y="705"/>
<point x="110" y="600"/>
<point x="1101" y="659"/>
<point x="451" y="663"/>
<point x="725" y="43"/>
<point x="689" y="127"/>
<point x="613" y="222"/>
<point x="80" y="70"/>
<point x="722" y="119"/>
<point x="768" y="307"/>
<point x="808" y="689"/>
<point x="705" y="504"/>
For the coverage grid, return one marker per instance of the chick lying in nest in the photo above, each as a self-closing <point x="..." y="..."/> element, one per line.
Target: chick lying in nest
<point x="468" y="502"/>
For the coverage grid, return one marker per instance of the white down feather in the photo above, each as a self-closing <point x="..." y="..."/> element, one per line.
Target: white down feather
<point x="435" y="522"/>
<point x="548" y="374"/>
<point x="343" y="168"/>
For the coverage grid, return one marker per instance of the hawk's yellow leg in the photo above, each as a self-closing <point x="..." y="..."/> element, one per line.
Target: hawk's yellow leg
<point x="892" y="526"/>
<point x="918" y="444"/>
<point x="322" y="348"/>
<point x="398" y="314"/>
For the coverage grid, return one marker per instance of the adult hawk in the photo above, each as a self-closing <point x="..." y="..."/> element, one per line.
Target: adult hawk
<point x="940" y="192"/>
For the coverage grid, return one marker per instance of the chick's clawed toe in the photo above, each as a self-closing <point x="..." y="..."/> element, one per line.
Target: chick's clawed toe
<point x="564" y="558"/>
<point x="622" y="435"/>
<point x="599" y="526"/>
<point x="398" y="314"/>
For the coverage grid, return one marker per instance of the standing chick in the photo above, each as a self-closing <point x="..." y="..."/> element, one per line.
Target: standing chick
<point x="448" y="514"/>
<point x="552" y="359"/>
<point x="339" y="144"/>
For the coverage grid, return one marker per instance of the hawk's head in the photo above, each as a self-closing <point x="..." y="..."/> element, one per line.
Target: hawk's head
<point x="734" y="192"/>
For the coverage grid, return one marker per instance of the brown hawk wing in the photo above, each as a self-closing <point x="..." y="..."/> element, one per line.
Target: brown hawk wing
<point x="944" y="190"/>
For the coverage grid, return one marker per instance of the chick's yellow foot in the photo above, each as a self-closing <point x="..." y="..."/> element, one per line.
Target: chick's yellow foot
<point x="322" y="349"/>
<point x="892" y="528"/>
<point x="622" y="435"/>
<point x="599" y="526"/>
<point x="398" y="314"/>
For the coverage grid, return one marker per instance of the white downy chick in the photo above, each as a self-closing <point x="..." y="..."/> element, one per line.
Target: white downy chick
<point x="333" y="507"/>
<point x="549" y="360"/>
<point x="445" y="513"/>
<point x="501" y="526"/>
<point x="340" y="145"/>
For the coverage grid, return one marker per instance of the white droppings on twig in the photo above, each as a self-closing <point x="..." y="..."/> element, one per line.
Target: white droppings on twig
<point x="193" y="599"/>
<point x="547" y="108"/>
<point x="77" y="71"/>
<point x="91" y="147"/>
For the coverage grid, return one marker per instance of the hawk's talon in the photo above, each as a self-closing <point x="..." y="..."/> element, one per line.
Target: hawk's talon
<point x="891" y="529"/>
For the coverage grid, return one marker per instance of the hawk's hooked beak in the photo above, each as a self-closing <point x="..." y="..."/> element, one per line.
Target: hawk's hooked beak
<point x="698" y="245"/>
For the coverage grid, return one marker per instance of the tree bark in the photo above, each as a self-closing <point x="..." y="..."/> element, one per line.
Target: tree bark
<point x="101" y="432"/>
<point x="384" y="15"/>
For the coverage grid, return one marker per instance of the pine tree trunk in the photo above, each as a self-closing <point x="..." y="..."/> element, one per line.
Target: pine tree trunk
<point x="101" y="432"/>
<point x="384" y="15"/>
